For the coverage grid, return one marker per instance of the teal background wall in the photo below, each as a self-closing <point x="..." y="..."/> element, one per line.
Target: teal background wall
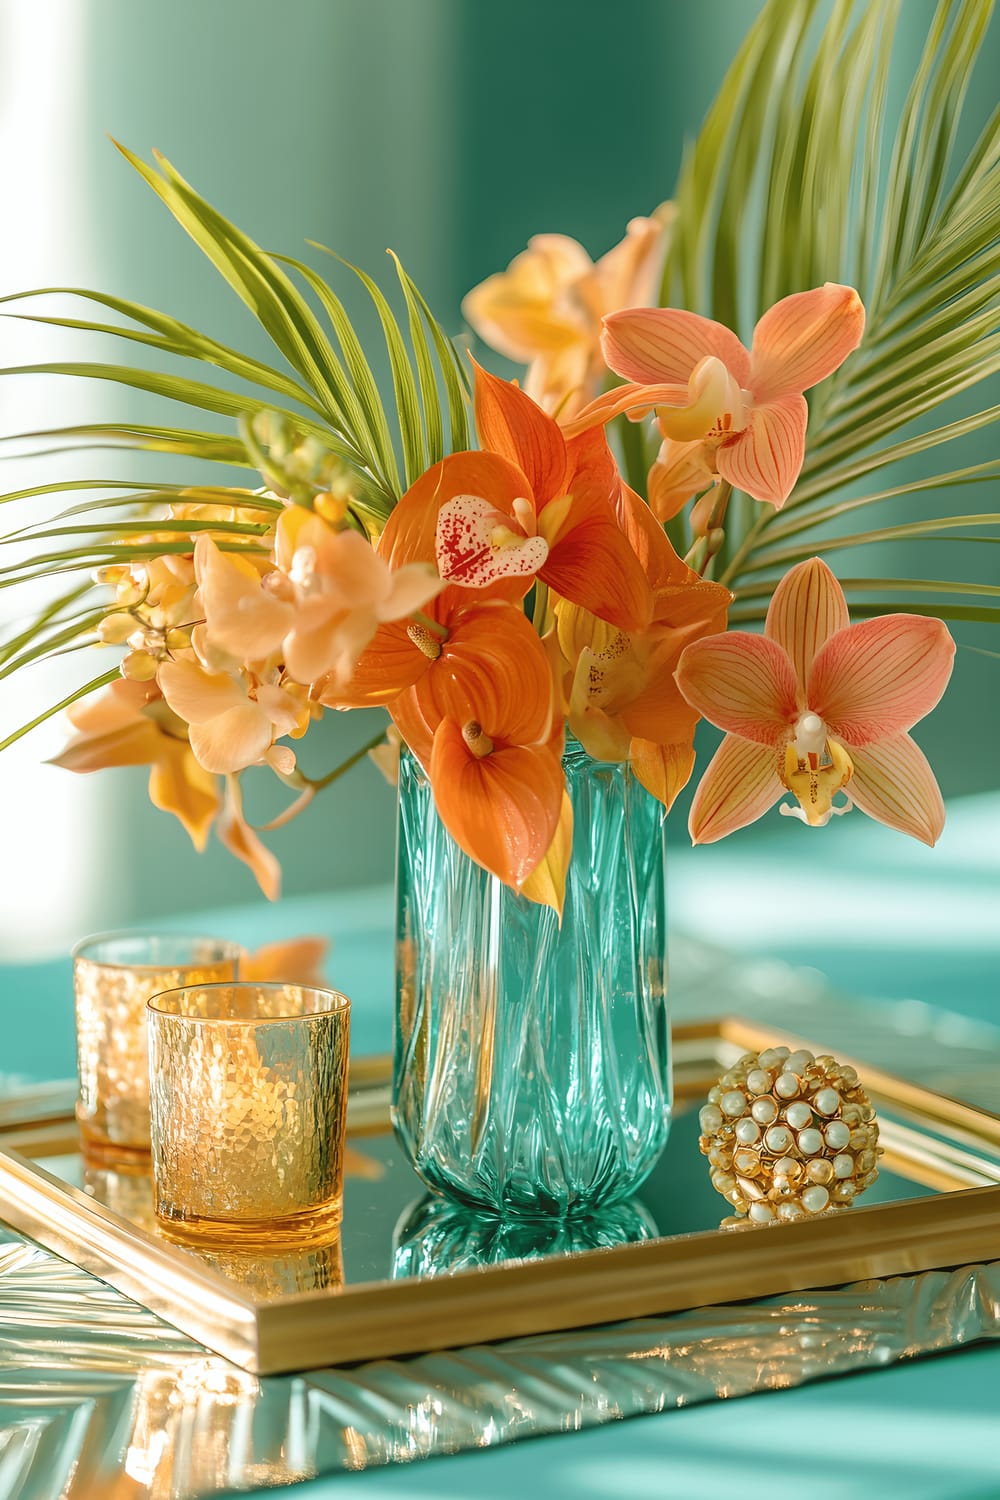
<point x="452" y="131"/>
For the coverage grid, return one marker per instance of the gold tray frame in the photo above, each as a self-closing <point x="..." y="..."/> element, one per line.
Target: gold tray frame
<point x="945" y="1144"/>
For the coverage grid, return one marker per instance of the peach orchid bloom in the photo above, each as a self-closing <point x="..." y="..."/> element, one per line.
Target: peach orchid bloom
<point x="130" y="725"/>
<point x="726" y="411"/>
<point x="561" y="526"/>
<point x="816" y="706"/>
<point x="233" y="719"/>
<point x="318" y="610"/>
<point x="623" y="701"/>
<point x="545" y="310"/>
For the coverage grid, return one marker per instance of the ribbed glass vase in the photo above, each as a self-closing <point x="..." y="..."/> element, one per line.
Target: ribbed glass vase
<point x="532" y="1060"/>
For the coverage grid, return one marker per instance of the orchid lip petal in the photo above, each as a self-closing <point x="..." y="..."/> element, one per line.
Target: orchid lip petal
<point x="476" y="544"/>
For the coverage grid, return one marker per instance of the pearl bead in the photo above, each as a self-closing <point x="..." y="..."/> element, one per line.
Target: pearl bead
<point x="787" y="1167"/>
<point x="733" y="1103"/>
<point x="826" y="1101"/>
<point x="747" y="1162"/>
<point x="810" y="1142"/>
<point x="764" y="1111"/>
<point x="844" y="1191"/>
<point x="820" y="1171"/>
<point x="778" y="1138"/>
<point x="786" y="1085"/>
<point x="789" y="1211"/>
<point x="747" y="1132"/>
<point x="709" y="1118"/>
<point x="761" y="1213"/>
<point x="798" y="1062"/>
<point x="772" y="1057"/>
<point x="837" y="1135"/>
<point x="849" y="1076"/>
<point x="799" y="1115"/>
<point x="758" y="1082"/>
<point x="843" y="1165"/>
<point x="815" y="1199"/>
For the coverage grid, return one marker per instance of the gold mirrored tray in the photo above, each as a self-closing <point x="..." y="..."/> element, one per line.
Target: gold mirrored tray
<point x="409" y="1273"/>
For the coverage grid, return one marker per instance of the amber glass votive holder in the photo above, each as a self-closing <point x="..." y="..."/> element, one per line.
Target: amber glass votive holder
<point x="249" y="1110"/>
<point x="114" y="975"/>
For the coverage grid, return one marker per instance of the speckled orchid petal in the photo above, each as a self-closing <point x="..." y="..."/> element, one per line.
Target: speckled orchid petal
<point x="806" y="609"/>
<point x="476" y="544"/>
<point x="410" y="533"/>
<point x="740" y="785"/>
<point x="803" y="338"/>
<point x="744" y="684"/>
<point x="894" y="783"/>
<point x="658" y="344"/>
<point x="765" y="459"/>
<point x="879" y="677"/>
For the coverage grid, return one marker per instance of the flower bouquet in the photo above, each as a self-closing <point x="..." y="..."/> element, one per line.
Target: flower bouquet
<point x="513" y="567"/>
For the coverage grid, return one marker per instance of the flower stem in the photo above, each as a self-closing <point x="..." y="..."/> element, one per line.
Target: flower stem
<point x="346" y="765"/>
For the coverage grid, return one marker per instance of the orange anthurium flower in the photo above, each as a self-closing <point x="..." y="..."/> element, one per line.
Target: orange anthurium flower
<point x="815" y="706"/>
<point x="131" y="725"/>
<point x="483" y="649"/>
<point x="545" y="310"/>
<point x="744" y="408"/>
<point x="561" y="526"/>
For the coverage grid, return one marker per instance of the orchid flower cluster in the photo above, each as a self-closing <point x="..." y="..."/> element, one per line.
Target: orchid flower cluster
<point x="521" y="592"/>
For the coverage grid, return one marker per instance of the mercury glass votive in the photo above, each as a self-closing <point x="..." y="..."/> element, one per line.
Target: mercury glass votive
<point x="114" y="975"/>
<point x="249" y="1105"/>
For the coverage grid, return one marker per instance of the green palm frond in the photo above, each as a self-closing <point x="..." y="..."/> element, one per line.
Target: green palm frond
<point x="321" y="391"/>
<point x="804" y="172"/>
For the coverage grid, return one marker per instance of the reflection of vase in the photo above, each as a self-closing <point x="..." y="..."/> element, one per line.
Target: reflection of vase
<point x="532" y="1067"/>
<point x="435" y="1236"/>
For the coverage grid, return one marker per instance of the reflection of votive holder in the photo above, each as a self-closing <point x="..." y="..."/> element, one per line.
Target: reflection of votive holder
<point x="128" y="1191"/>
<point x="314" y="1268"/>
<point x="249" y="1106"/>
<point x="114" y="975"/>
<point x="435" y="1237"/>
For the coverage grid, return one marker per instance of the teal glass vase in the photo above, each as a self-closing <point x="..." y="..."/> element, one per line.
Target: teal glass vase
<point x="532" y="1059"/>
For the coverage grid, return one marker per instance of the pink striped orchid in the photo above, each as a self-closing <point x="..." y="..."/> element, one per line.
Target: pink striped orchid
<point x="817" y="706"/>
<point x="726" y="412"/>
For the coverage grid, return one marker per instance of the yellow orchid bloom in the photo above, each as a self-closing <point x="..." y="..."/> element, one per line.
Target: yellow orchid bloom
<point x="545" y="310"/>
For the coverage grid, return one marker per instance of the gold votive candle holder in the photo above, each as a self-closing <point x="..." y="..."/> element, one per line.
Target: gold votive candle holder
<point x="249" y="1110"/>
<point x="114" y="975"/>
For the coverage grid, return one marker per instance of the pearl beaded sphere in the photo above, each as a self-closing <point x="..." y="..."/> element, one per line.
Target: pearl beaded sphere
<point x="788" y="1135"/>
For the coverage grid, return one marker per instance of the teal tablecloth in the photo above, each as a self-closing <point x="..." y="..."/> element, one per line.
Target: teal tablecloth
<point x="881" y="917"/>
